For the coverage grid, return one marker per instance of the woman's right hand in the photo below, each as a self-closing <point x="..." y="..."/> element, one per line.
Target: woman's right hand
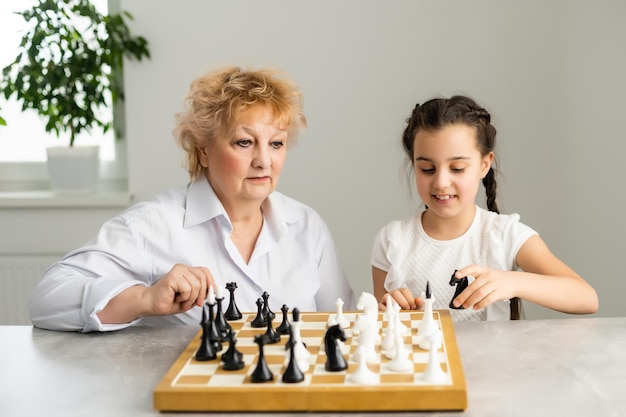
<point x="182" y="288"/>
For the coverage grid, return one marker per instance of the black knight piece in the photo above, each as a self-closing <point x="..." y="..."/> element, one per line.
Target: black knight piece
<point x="334" y="358"/>
<point x="461" y="284"/>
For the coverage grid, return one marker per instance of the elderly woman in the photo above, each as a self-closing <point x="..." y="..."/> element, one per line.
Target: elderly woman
<point x="155" y="263"/>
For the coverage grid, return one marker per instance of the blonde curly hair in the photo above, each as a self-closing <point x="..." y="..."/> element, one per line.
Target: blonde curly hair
<point x="217" y="98"/>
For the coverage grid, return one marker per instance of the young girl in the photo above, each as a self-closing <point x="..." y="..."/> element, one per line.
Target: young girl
<point x="450" y="145"/>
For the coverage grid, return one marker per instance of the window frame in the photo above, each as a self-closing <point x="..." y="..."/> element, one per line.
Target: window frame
<point x="28" y="176"/>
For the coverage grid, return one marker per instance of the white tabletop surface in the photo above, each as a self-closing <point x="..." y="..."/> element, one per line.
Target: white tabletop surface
<point x="530" y="368"/>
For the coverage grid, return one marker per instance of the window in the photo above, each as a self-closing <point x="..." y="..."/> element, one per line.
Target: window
<point x="23" y="141"/>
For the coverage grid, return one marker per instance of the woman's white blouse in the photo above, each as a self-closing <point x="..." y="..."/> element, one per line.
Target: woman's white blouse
<point x="294" y="260"/>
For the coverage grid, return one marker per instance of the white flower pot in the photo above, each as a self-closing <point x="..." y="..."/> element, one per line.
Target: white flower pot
<point x="73" y="170"/>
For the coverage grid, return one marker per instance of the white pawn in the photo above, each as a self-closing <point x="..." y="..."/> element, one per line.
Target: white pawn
<point x="300" y="352"/>
<point x="401" y="361"/>
<point x="400" y="327"/>
<point x="388" y="346"/>
<point x="389" y="312"/>
<point x="434" y="374"/>
<point x="339" y="318"/>
<point x="363" y="374"/>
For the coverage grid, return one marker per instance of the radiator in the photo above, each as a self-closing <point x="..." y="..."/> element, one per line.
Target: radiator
<point x="18" y="277"/>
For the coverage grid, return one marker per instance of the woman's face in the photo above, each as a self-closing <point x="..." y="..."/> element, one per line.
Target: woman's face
<point x="243" y="165"/>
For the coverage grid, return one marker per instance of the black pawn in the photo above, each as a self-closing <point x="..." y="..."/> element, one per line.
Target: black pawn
<point x="284" y="327"/>
<point x="292" y="373"/>
<point x="232" y="359"/>
<point x="260" y="320"/>
<point x="461" y="284"/>
<point x="262" y="372"/>
<point x="266" y="306"/>
<point x="232" y="312"/>
<point x="206" y="351"/>
<point x="272" y="335"/>
<point x="222" y="325"/>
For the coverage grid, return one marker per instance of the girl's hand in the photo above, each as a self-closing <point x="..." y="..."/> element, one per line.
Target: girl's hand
<point x="404" y="298"/>
<point x="489" y="285"/>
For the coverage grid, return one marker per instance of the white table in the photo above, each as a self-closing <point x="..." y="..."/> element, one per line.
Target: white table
<point x="563" y="367"/>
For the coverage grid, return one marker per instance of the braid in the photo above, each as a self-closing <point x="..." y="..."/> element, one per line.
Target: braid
<point x="490" y="188"/>
<point x="409" y="132"/>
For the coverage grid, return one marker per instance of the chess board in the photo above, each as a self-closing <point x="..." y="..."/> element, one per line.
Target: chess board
<point x="192" y="385"/>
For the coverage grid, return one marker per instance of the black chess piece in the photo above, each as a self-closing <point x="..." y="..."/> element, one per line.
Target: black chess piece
<point x="206" y="351"/>
<point x="461" y="284"/>
<point x="335" y="360"/>
<point x="262" y="372"/>
<point x="232" y="359"/>
<point x="222" y="325"/>
<point x="272" y="335"/>
<point x="260" y="320"/>
<point x="232" y="312"/>
<point x="214" y="335"/>
<point x="293" y="373"/>
<point x="285" y="326"/>
<point x="266" y="306"/>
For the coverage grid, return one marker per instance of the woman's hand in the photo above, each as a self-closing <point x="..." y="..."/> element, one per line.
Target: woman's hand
<point x="182" y="288"/>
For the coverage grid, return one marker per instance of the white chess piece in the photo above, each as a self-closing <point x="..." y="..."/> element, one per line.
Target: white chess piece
<point x="362" y="374"/>
<point x="300" y="352"/>
<point x="388" y="346"/>
<point x="366" y="333"/>
<point x="339" y="318"/>
<point x="400" y="327"/>
<point x="369" y="305"/>
<point x="401" y="361"/>
<point x="389" y="312"/>
<point x="434" y="374"/>
<point x="428" y="326"/>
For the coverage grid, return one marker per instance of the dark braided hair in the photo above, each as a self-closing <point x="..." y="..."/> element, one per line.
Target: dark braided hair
<point x="438" y="113"/>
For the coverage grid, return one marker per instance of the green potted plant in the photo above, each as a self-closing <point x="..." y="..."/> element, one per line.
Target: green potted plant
<point x="69" y="67"/>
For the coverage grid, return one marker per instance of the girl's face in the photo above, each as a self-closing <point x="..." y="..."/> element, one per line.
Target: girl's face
<point x="448" y="169"/>
<point x="244" y="164"/>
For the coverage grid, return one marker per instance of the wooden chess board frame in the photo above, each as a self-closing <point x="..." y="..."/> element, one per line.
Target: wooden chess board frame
<point x="333" y="395"/>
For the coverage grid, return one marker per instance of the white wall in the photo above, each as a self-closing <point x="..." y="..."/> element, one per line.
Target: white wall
<point x="550" y="72"/>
